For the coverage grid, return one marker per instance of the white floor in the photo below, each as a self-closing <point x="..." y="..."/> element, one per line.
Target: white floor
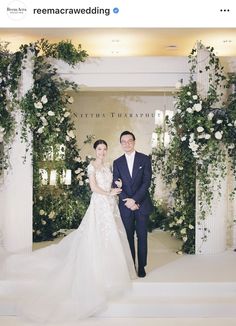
<point x="165" y="267"/>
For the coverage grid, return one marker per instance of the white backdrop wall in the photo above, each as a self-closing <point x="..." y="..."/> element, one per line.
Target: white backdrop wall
<point x="107" y="114"/>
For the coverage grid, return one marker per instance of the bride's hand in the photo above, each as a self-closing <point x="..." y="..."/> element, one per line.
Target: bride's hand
<point x="118" y="183"/>
<point x="115" y="191"/>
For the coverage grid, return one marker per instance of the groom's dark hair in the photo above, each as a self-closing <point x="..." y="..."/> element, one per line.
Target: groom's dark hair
<point x="124" y="133"/>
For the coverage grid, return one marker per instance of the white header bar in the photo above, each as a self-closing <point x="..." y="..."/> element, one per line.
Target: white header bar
<point x="117" y="13"/>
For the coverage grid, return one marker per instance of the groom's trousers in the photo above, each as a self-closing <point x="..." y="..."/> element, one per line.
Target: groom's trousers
<point x="139" y="224"/>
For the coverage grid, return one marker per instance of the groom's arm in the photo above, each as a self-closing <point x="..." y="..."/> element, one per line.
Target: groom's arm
<point x="142" y="191"/>
<point x="116" y="176"/>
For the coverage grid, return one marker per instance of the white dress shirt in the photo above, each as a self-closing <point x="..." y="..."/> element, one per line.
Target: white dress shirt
<point x="130" y="161"/>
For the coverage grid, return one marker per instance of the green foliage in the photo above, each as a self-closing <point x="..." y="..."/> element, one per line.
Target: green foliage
<point x="202" y="135"/>
<point x="63" y="50"/>
<point x="10" y="72"/>
<point x="46" y="114"/>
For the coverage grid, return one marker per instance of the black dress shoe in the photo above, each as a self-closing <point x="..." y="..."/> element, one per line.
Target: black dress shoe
<point x="141" y="272"/>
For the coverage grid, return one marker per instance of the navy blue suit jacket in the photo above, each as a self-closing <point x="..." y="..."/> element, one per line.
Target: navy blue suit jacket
<point x="135" y="187"/>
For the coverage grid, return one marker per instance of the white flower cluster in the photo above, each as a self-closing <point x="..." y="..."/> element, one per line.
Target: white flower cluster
<point x="2" y="132"/>
<point x="44" y="116"/>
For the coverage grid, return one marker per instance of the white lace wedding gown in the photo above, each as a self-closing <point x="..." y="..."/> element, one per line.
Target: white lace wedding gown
<point x="77" y="277"/>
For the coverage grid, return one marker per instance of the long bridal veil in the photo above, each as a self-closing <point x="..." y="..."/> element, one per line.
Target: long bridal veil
<point x="77" y="277"/>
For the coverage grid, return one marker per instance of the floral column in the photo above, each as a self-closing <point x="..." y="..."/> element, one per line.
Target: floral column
<point x="16" y="191"/>
<point x="210" y="236"/>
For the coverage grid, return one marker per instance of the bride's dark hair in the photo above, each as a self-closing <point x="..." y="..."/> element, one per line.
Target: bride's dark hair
<point x="99" y="142"/>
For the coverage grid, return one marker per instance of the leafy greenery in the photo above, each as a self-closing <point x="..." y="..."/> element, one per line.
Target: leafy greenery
<point x="202" y="136"/>
<point x="46" y="113"/>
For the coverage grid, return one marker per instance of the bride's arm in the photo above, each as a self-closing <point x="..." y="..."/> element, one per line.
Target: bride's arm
<point x="95" y="188"/>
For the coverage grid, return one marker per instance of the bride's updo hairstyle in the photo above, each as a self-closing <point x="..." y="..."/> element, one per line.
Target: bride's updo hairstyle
<point x="99" y="142"/>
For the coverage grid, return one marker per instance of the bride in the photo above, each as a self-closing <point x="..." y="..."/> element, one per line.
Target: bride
<point x="92" y="265"/>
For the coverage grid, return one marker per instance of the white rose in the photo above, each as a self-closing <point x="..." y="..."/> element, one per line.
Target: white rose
<point x="51" y="215"/>
<point x="183" y="231"/>
<point x="230" y="124"/>
<point x="178" y="85"/>
<point x="67" y="138"/>
<point x="210" y="116"/>
<point x="181" y="168"/>
<point x="183" y="138"/>
<point x="44" y="99"/>
<point x="189" y="110"/>
<point x="38" y="105"/>
<point x="191" y="227"/>
<point x="218" y="135"/>
<point x="200" y="129"/>
<point x="201" y="136"/>
<point x="40" y="130"/>
<point x="66" y="114"/>
<point x="188" y="93"/>
<point x="51" y="113"/>
<point x="195" y="97"/>
<point x="70" y="100"/>
<point x="179" y="111"/>
<point x="185" y="239"/>
<point x="38" y="232"/>
<point x="41" y="212"/>
<point x="44" y="121"/>
<point x="81" y="183"/>
<point x="219" y="121"/>
<point x="197" y="107"/>
<point x="70" y="133"/>
<point x="231" y="146"/>
<point x="207" y="136"/>
<point x="193" y="146"/>
<point x="43" y="222"/>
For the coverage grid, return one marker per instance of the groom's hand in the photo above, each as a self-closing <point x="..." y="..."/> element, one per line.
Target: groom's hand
<point x="134" y="207"/>
<point x="129" y="202"/>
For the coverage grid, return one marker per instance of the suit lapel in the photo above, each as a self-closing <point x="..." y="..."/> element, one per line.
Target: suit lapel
<point x="126" y="169"/>
<point x="136" y="165"/>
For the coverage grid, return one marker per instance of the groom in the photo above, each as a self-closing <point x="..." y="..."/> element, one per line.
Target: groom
<point x="134" y="170"/>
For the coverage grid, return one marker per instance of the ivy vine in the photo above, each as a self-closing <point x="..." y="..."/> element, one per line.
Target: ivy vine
<point x="202" y="137"/>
